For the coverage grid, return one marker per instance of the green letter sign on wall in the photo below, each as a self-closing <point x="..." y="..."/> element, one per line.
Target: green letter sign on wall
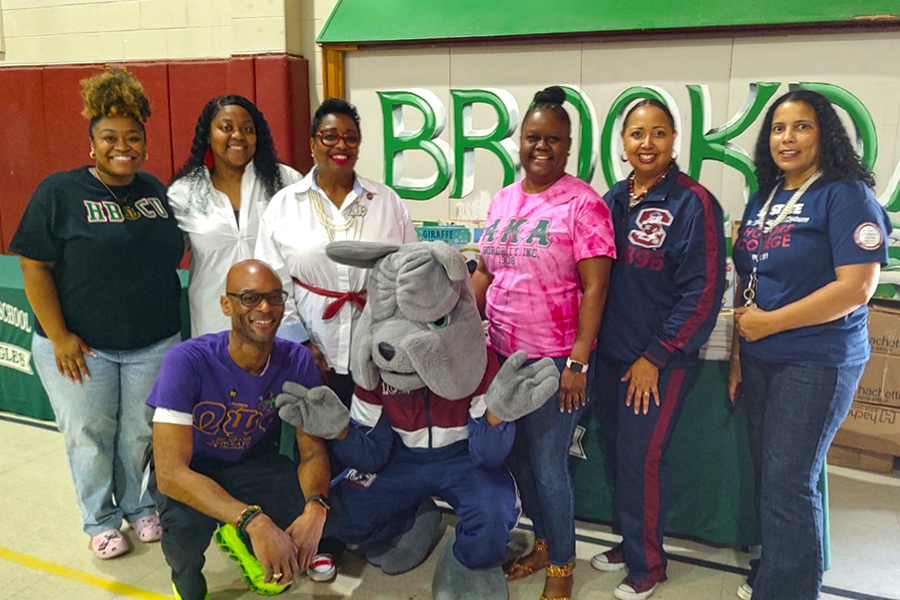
<point x="713" y="143"/>
<point x="466" y="139"/>
<point x="589" y="145"/>
<point x="398" y="140"/>
<point x="612" y="170"/>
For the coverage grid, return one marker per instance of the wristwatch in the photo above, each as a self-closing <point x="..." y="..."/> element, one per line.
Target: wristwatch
<point x="321" y="500"/>
<point x="576" y="366"/>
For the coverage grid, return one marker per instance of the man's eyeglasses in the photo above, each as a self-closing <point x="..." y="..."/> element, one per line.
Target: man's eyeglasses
<point x="253" y="299"/>
<point x="331" y="138"/>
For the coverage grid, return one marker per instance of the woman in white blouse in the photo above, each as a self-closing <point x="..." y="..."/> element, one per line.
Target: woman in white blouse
<point x="331" y="203"/>
<point x="218" y="197"/>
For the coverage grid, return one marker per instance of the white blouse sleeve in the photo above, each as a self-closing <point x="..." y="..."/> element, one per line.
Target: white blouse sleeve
<point x="267" y="251"/>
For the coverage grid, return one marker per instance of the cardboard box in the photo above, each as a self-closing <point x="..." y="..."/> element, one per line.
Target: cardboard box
<point x="884" y="328"/>
<point x="843" y="456"/>
<point x="880" y="382"/>
<point x="871" y="427"/>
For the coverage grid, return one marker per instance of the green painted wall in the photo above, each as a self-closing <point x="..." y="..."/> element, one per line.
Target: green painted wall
<point x="395" y="20"/>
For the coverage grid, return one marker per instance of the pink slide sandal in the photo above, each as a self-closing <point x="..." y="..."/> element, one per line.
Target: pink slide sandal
<point x="148" y="529"/>
<point x="109" y="544"/>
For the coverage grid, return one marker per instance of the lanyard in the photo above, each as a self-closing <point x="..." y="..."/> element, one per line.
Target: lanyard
<point x="767" y="228"/>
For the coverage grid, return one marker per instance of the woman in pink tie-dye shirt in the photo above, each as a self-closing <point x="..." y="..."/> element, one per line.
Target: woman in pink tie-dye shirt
<point x="545" y="262"/>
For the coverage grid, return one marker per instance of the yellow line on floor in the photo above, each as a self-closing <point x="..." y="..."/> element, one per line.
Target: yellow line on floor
<point x="52" y="568"/>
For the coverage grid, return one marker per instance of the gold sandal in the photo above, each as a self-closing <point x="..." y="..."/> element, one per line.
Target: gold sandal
<point x="540" y="546"/>
<point x="554" y="572"/>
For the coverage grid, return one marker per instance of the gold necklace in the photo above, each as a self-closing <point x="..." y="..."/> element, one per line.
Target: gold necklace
<point x="316" y="200"/>
<point x="96" y="174"/>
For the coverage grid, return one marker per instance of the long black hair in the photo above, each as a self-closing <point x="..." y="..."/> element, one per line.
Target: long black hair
<point x="265" y="159"/>
<point x="837" y="158"/>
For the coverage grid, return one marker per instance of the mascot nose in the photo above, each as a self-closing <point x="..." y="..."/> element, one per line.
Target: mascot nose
<point x="386" y="350"/>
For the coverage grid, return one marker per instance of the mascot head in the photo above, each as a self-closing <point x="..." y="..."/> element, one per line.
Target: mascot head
<point x="420" y="327"/>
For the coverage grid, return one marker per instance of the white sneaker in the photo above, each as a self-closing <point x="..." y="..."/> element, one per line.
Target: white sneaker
<point x="322" y="568"/>
<point x="611" y="560"/>
<point x="625" y="591"/>
<point x="745" y="592"/>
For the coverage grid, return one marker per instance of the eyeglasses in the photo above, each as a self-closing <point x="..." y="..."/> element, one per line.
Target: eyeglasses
<point x="331" y="138"/>
<point x="253" y="299"/>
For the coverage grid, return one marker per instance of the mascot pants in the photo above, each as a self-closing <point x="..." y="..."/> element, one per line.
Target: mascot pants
<point x="485" y="501"/>
<point x="636" y="446"/>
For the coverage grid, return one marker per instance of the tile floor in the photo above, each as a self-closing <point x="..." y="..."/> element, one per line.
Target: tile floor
<point x="44" y="555"/>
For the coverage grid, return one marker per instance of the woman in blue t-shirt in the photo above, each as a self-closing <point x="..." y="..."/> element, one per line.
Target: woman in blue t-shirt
<point x="809" y="253"/>
<point x="99" y="249"/>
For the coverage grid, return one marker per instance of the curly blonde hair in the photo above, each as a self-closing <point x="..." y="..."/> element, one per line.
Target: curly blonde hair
<point x="114" y="93"/>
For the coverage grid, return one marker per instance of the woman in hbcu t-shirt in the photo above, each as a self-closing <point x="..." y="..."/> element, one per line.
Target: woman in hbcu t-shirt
<point x="665" y="292"/>
<point x="545" y="261"/>
<point x="99" y="249"/>
<point x="809" y="252"/>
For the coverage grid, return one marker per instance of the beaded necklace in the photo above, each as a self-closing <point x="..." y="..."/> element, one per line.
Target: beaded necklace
<point x="634" y="199"/>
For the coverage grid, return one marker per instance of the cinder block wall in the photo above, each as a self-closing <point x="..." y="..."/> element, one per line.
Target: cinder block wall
<point x="76" y="31"/>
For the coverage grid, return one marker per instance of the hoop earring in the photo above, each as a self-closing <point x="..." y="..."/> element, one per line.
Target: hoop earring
<point x="93" y="156"/>
<point x="623" y="156"/>
<point x="674" y="154"/>
<point x="146" y="155"/>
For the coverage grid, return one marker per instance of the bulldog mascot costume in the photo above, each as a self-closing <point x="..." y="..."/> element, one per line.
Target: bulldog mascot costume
<point x="433" y="415"/>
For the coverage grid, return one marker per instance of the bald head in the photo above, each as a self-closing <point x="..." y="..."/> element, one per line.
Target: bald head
<point x="254" y="300"/>
<point x="252" y="274"/>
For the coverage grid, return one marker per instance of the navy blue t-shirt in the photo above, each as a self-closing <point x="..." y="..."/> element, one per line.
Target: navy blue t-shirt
<point x="835" y="223"/>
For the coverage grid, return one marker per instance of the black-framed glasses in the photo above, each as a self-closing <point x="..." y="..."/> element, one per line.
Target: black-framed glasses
<point x="253" y="299"/>
<point x="331" y="138"/>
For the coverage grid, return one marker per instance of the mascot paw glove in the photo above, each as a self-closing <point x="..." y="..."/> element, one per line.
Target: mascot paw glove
<point x="318" y="411"/>
<point x="517" y="391"/>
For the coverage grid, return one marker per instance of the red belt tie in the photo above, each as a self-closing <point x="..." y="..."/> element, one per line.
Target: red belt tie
<point x="341" y="298"/>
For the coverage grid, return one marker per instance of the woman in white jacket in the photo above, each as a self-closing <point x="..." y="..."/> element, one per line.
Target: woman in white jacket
<point x="218" y="197"/>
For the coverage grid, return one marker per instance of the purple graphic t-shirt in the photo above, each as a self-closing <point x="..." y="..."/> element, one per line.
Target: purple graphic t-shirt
<point x="233" y="410"/>
<point x="531" y="246"/>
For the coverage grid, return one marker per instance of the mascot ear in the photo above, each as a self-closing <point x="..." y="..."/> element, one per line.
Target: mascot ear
<point x="359" y="254"/>
<point x="365" y="373"/>
<point x="450" y="258"/>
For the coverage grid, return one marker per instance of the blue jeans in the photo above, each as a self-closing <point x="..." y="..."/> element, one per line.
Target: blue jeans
<point x="793" y="413"/>
<point x="106" y="426"/>
<point x="540" y="464"/>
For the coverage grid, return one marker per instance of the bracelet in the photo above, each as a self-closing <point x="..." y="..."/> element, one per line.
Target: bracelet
<point x="246" y="516"/>
<point x="735" y="357"/>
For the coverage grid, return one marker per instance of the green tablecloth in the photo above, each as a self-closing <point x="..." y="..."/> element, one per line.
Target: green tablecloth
<point x="21" y="391"/>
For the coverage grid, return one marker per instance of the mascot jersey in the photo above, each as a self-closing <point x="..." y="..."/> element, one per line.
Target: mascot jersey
<point x="665" y="290"/>
<point x="426" y="423"/>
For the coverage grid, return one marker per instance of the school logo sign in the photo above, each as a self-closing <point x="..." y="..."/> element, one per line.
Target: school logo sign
<point x="11" y="355"/>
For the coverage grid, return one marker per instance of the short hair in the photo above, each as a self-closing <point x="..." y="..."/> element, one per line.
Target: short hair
<point x="333" y="106"/>
<point x="551" y="98"/>
<point x="837" y="158"/>
<point x="114" y="93"/>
